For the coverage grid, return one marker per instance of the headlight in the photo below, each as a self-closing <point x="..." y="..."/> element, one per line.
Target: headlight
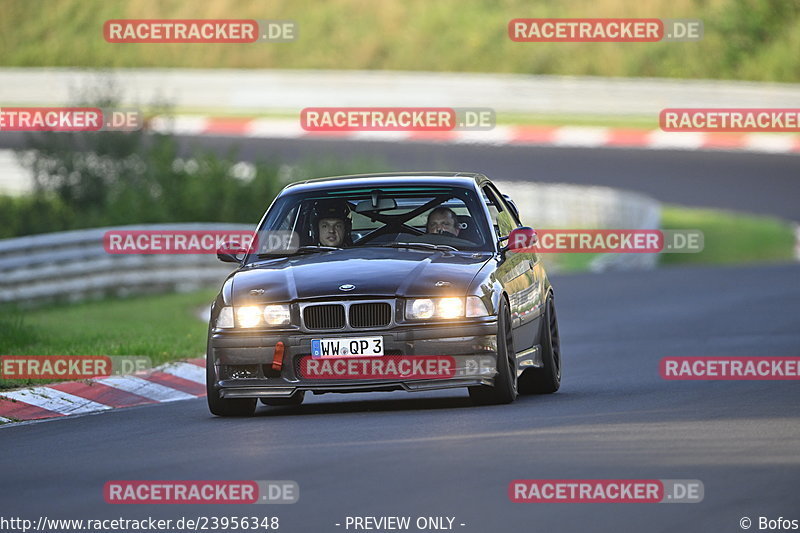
<point x="277" y="315"/>
<point x="249" y="316"/>
<point x="420" y="309"/>
<point x="450" y="308"/>
<point x="225" y="318"/>
<point x="424" y="308"/>
<point x="476" y="307"/>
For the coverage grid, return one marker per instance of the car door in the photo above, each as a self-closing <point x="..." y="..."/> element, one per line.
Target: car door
<point x="519" y="273"/>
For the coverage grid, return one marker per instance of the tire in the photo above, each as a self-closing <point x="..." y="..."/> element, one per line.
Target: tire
<point x="221" y="406"/>
<point x="505" y="382"/>
<point x="293" y="400"/>
<point x="545" y="380"/>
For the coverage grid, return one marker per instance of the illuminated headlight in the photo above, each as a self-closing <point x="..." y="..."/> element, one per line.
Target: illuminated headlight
<point x="450" y="308"/>
<point x="225" y="318"/>
<point x="249" y="316"/>
<point x="424" y="308"/>
<point x="277" y="315"/>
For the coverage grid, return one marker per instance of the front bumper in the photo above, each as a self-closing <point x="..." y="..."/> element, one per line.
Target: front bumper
<point x="242" y="361"/>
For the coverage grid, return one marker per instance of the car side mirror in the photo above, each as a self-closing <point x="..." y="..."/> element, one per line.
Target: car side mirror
<point x="230" y="253"/>
<point x="522" y="240"/>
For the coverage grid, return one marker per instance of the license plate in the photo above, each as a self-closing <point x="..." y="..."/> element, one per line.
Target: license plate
<point x="351" y="347"/>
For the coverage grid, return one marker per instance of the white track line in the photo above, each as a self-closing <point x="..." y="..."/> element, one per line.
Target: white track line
<point x="769" y="143"/>
<point x="386" y="136"/>
<point x="54" y="400"/>
<point x="179" y="125"/>
<point x="274" y="129"/>
<point x="500" y="135"/>
<point x="573" y="136"/>
<point x="142" y="387"/>
<point x="186" y="371"/>
<point x="682" y="140"/>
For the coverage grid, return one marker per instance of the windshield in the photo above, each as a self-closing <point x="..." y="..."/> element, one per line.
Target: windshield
<point x="423" y="218"/>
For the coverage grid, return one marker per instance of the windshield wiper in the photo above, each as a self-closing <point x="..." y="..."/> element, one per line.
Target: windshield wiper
<point x="301" y="250"/>
<point x="419" y="245"/>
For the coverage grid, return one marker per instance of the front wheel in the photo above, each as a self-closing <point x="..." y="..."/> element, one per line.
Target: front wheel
<point x="547" y="379"/>
<point x="221" y="406"/>
<point x="505" y="382"/>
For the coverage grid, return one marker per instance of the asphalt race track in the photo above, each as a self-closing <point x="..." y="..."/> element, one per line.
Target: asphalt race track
<point x="752" y="182"/>
<point x="433" y="454"/>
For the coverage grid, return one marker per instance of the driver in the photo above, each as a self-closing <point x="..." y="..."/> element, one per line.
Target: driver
<point x="442" y="221"/>
<point x="331" y="223"/>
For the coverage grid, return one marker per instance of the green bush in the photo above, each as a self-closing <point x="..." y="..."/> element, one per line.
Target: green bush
<point x="111" y="178"/>
<point x="33" y="214"/>
<point x="95" y="179"/>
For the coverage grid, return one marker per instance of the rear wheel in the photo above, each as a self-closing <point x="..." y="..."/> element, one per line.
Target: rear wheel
<point x="505" y="381"/>
<point x="547" y="379"/>
<point x="293" y="400"/>
<point x="225" y="406"/>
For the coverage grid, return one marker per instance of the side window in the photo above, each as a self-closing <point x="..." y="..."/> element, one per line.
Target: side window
<point x="490" y="200"/>
<point x="502" y="220"/>
<point x="509" y="206"/>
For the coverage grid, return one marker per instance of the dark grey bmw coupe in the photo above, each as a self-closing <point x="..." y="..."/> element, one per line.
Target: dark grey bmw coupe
<point x="412" y="281"/>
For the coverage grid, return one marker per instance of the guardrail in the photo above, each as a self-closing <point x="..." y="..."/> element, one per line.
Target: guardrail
<point x="73" y="265"/>
<point x="259" y="91"/>
<point x="563" y="206"/>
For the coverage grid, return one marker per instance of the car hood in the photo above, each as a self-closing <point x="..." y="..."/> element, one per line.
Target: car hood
<point x="375" y="272"/>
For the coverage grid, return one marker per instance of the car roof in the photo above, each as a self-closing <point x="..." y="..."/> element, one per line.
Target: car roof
<point x="462" y="179"/>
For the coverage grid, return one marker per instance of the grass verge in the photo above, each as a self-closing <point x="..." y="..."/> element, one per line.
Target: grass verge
<point x="747" y="40"/>
<point x="730" y="237"/>
<point x="163" y="327"/>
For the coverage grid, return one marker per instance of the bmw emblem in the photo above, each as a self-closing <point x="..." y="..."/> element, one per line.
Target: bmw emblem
<point x="347" y="287"/>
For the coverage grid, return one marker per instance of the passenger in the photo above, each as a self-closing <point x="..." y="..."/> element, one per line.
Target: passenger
<point x="443" y="221"/>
